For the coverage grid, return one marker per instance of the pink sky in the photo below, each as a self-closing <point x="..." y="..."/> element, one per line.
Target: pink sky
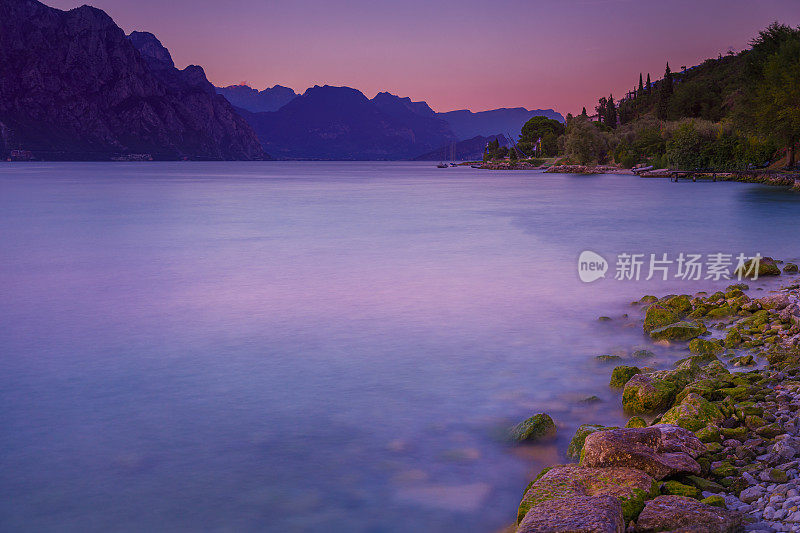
<point x="560" y="54"/>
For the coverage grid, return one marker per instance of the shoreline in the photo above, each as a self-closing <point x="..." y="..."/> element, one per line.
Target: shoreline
<point x="712" y="444"/>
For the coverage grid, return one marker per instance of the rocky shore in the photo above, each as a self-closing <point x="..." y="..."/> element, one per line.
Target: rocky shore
<point x="712" y="444"/>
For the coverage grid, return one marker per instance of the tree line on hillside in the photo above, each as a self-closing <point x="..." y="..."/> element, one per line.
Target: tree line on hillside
<point x="738" y="111"/>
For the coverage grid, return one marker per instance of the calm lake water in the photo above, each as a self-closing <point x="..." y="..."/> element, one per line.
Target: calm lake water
<point x="319" y="346"/>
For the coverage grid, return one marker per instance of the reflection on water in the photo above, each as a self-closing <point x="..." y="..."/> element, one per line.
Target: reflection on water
<point x="318" y="346"/>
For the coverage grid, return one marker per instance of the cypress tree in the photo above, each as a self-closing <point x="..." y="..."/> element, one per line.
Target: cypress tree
<point x="641" y="86"/>
<point x="611" y="112"/>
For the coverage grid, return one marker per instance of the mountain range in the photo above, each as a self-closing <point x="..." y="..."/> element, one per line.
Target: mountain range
<point x="74" y="86"/>
<point x="342" y="123"/>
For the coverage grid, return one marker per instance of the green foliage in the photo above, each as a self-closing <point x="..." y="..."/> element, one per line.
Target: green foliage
<point x="771" y="106"/>
<point x="548" y="130"/>
<point x="584" y="142"/>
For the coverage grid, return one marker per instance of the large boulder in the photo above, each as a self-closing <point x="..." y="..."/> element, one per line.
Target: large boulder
<point x="657" y="316"/>
<point x="585" y="514"/>
<point x="693" y="413"/>
<point x="680" y="513"/>
<point x="766" y="267"/>
<point x="536" y="428"/>
<point x="679" y="331"/>
<point x="677" y="439"/>
<point x="576" y="444"/>
<point x="629" y="486"/>
<point x="704" y="347"/>
<point x="645" y="394"/>
<point x="680" y="305"/>
<point x="777" y="301"/>
<point x="621" y="374"/>
<point x="640" y="448"/>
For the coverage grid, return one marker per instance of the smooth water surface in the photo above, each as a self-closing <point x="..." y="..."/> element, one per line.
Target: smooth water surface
<point x="319" y="346"/>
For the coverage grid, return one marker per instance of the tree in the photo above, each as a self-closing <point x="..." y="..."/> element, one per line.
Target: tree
<point x="584" y="142"/>
<point x="602" y="104"/>
<point x="665" y="90"/>
<point x="640" y="92"/>
<point x="513" y="154"/>
<point x="583" y="114"/>
<point x="647" y="87"/>
<point x="546" y="129"/>
<point x="610" y="118"/>
<point x="772" y="100"/>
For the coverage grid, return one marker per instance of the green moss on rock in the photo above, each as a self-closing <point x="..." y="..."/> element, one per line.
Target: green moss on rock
<point x="679" y="331"/>
<point x="679" y="489"/>
<point x="657" y="317"/>
<point x="621" y="374"/>
<point x="636" y="422"/>
<point x="576" y="444"/>
<point x="707" y="348"/>
<point x="536" y="428"/>
<point x="693" y="413"/>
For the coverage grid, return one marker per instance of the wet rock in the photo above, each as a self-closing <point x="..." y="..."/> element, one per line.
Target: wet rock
<point x="679" y="331"/>
<point x="636" y="422"/>
<point x="576" y="444"/>
<point x="536" y="428"/>
<point x="775" y="301"/>
<point x="790" y="268"/>
<point x="640" y="448"/>
<point x="657" y="317"/>
<point x="766" y="267"/>
<point x="644" y="394"/>
<point x="621" y="374"/>
<point x="704" y="347"/>
<point x="679" y="513"/>
<point x="676" y="488"/>
<point x="693" y="413"/>
<point x="608" y="358"/>
<point x="630" y="487"/>
<point x="643" y="354"/>
<point x="595" y="514"/>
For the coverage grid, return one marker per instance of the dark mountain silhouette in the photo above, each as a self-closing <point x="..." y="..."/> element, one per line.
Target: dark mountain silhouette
<point x="341" y="123"/>
<point x="467" y="150"/>
<point x="73" y="86"/>
<point x="466" y="124"/>
<point x="245" y="97"/>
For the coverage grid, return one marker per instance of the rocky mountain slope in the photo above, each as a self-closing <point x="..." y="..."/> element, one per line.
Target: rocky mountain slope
<point x="466" y="124"/>
<point x="73" y="86"/>
<point x="270" y="99"/>
<point x="341" y="123"/>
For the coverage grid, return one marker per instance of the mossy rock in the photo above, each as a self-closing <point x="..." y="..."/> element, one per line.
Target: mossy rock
<point x="680" y="305"/>
<point x="536" y="428"/>
<point x="766" y="267"/>
<point x="721" y="311"/>
<point x="636" y="422"/>
<point x="733" y="338"/>
<point x="777" y="475"/>
<point x="739" y="286"/>
<point x="704" y="347"/>
<point x="643" y="354"/>
<point x="714" y="501"/>
<point x="737" y="433"/>
<point x="753" y="422"/>
<point x="737" y="393"/>
<point x="631" y="487"/>
<point x="770" y="430"/>
<point x="643" y="394"/>
<point x="576" y="444"/>
<point x="604" y="319"/>
<point x="744" y="360"/>
<point x="699" y="360"/>
<point x="725" y="470"/>
<point x="790" y="268"/>
<point x="677" y="488"/>
<point x="621" y="374"/>
<point x="708" y="434"/>
<point x="608" y="358"/>
<point x="657" y="317"/>
<point x="704" y="484"/>
<point x="693" y="413"/>
<point x="679" y="331"/>
<point x="648" y="299"/>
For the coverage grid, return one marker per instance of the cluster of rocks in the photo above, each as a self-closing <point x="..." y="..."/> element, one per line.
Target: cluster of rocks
<point x="712" y="444"/>
<point x="587" y="169"/>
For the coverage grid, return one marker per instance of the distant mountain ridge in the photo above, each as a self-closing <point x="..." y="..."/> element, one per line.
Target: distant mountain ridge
<point x="466" y="124"/>
<point x="74" y="86"/>
<point x="245" y="97"/>
<point x="329" y="122"/>
<point x="401" y="128"/>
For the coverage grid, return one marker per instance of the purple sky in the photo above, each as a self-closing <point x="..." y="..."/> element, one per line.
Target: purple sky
<point x="479" y="55"/>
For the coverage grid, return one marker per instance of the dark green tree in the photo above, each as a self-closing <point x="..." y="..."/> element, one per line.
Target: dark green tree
<point x="640" y="92"/>
<point x="546" y="129"/>
<point x="583" y="114"/>
<point x="610" y="118"/>
<point x="665" y="90"/>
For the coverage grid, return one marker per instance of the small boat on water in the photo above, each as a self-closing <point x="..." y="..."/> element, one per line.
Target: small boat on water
<point x="441" y="165"/>
<point x="453" y="165"/>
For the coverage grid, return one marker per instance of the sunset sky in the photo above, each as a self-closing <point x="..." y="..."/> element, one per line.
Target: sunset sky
<point x="560" y="54"/>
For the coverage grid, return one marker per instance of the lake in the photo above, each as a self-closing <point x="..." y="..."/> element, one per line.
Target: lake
<point x="321" y="346"/>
